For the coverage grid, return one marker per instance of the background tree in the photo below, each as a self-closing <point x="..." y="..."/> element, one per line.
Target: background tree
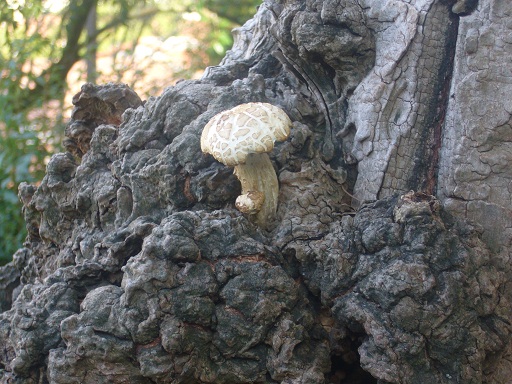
<point x="49" y="48"/>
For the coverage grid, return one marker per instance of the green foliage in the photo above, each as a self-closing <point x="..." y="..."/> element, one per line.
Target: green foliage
<point x="238" y="14"/>
<point x="21" y="159"/>
<point x="23" y="148"/>
<point x="42" y="40"/>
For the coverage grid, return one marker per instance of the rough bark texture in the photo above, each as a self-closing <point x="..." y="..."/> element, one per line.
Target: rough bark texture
<point x="138" y="268"/>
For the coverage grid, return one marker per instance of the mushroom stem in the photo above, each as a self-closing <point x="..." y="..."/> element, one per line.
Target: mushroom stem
<point x="257" y="174"/>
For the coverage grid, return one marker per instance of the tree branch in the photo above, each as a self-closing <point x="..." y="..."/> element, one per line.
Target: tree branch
<point x="55" y="75"/>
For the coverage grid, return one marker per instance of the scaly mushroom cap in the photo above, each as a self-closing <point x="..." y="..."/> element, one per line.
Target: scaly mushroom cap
<point x="247" y="128"/>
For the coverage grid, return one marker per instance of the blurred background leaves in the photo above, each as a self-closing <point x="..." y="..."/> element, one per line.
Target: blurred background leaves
<point x="49" y="48"/>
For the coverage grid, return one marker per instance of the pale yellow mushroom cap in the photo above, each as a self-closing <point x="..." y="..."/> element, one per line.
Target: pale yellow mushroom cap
<point x="247" y="128"/>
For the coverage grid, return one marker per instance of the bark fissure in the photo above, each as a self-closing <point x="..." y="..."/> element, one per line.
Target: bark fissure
<point x="425" y="172"/>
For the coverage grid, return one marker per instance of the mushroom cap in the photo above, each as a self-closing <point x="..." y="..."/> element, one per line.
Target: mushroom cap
<point x="247" y="128"/>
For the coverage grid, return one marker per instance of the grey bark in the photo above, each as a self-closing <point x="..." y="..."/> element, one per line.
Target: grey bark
<point x="389" y="258"/>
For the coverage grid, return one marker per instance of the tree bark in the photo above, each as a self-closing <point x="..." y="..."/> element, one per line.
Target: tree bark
<point x="389" y="257"/>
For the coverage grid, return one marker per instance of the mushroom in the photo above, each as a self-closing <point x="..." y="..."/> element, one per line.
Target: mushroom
<point x="242" y="137"/>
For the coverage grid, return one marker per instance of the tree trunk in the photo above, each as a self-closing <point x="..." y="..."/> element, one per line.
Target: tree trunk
<point x="388" y="260"/>
<point x="91" y="55"/>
